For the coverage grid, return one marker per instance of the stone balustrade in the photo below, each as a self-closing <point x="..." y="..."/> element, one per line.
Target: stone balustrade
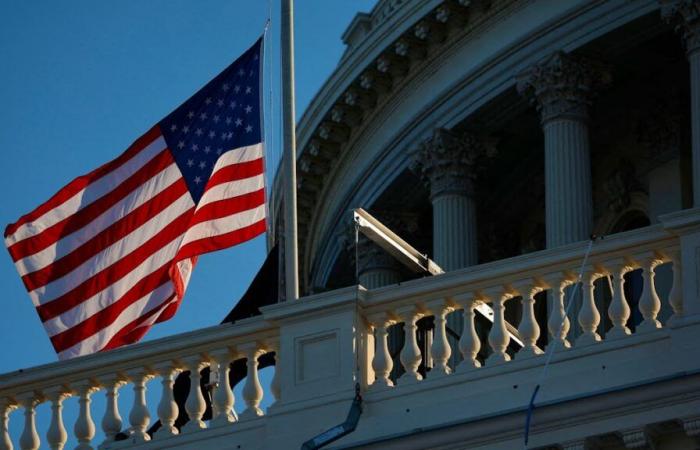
<point x="513" y="284"/>
<point x="324" y="344"/>
<point x="139" y="365"/>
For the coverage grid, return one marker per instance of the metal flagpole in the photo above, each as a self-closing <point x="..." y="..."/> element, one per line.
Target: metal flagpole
<point x="291" y="267"/>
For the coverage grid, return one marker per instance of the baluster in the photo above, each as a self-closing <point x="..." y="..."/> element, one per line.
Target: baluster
<point x="167" y="407"/>
<point x="275" y="387"/>
<point x="223" y="401"/>
<point x="381" y="362"/>
<point x="252" y="391"/>
<point x="559" y="322"/>
<point x="195" y="405"/>
<point x="675" y="297"/>
<point x="111" y="421"/>
<point x="588" y="316"/>
<point x="6" y="408"/>
<point x="410" y="354"/>
<point x="498" y="337"/>
<point x="440" y="350"/>
<point x="469" y="343"/>
<point x="528" y="329"/>
<point x="84" y="428"/>
<point x="649" y="303"/>
<point x="29" y="440"/>
<point x="56" y="435"/>
<point x="139" y="416"/>
<point x="619" y="310"/>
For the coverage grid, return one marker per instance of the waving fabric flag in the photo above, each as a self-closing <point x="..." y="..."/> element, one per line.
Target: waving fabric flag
<point x="112" y="252"/>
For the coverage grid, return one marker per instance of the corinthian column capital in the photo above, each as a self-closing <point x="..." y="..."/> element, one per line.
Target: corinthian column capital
<point x="447" y="161"/>
<point x="684" y="15"/>
<point x="562" y="85"/>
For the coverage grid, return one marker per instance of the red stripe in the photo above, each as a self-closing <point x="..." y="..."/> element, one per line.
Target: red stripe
<point x="106" y="237"/>
<point x="134" y="331"/>
<point x="229" y="206"/>
<point x="238" y="171"/>
<point x="81" y="182"/>
<point x="221" y="241"/>
<point x="109" y="314"/>
<point x="76" y="221"/>
<point x="116" y="271"/>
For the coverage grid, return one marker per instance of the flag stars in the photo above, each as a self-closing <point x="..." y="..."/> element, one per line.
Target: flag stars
<point x="190" y="162"/>
<point x="212" y="134"/>
<point x="256" y="57"/>
<point x="173" y="127"/>
<point x="225" y="87"/>
<point x="248" y="89"/>
<point x="203" y="116"/>
<point x="181" y="145"/>
<point x="248" y="109"/>
<point x="185" y="129"/>
<point x="195" y="147"/>
<point x="219" y="151"/>
<point x="248" y="129"/>
<point x="220" y="102"/>
<point x="236" y="89"/>
<point x="241" y="72"/>
<point x="251" y="73"/>
<point x="202" y="165"/>
<point x="197" y="179"/>
<point x="233" y="105"/>
<point x="216" y="119"/>
<point x="190" y="114"/>
<point x="229" y="135"/>
<point x="207" y="149"/>
<point x="199" y="132"/>
<point x="207" y="101"/>
<point x="228" y="121"/>
<point x="223" y="135"/>
<point x="239" y="122"/>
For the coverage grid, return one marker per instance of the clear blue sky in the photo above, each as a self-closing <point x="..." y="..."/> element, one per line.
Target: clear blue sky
<point x="82" y="79"/>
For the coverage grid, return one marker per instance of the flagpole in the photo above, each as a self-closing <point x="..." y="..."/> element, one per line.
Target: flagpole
<point x="291" y="267"/>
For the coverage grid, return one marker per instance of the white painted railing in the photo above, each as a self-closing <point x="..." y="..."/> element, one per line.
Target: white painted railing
<point x="138" y="365"/>
<point x="519" y="279"/>
<point x="319" y="339"/>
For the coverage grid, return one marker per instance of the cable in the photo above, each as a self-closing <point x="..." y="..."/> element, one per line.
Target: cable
<point x="551" y="348"/>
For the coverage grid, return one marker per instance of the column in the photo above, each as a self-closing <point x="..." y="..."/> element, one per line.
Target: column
<point x="561" y="87"/>
<point x="446" y="163"/>
<point x="685" y="16"/>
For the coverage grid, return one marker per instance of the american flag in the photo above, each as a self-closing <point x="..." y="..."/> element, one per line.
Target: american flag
<point x="112" y="252"/>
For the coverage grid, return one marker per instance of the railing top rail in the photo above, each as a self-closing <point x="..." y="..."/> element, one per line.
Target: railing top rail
<point x="138" y="356"/>
<point x="522" y="267"/>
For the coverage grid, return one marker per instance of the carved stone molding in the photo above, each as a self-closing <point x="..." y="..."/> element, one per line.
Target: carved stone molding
<point x="448" y="162"/>
<point x="691" y="426"/>
<point x="684" y="15"/>
<point x="562" y="85"/>
<point x="637" y="438"/>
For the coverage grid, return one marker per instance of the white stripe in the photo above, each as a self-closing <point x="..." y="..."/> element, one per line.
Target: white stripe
<point x="240" y="155"/>
<point x="224" y="225"/>
<point x="67" y="244"/>
<point x="92" y="192"/>
<point x="113" y="253"/>
<point x="97" y="341"/>
<point x="114" y="292"/>
<point x="232" y="189"/>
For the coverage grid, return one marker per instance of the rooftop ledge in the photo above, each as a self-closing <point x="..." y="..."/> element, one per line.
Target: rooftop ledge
<point x="324" y="343"/>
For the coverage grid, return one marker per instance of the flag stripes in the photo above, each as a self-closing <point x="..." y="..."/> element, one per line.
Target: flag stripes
<point x="111" y="253"/>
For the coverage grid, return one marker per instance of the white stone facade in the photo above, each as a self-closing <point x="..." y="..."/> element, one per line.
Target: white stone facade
<point x="497" y="135"/>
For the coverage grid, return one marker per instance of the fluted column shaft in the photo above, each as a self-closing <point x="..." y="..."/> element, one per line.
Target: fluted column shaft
<point x="568" y="193"/>
<point x="684" y="15"/>
<point x="454" y="231"/>
<point x="561" y="88"/>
